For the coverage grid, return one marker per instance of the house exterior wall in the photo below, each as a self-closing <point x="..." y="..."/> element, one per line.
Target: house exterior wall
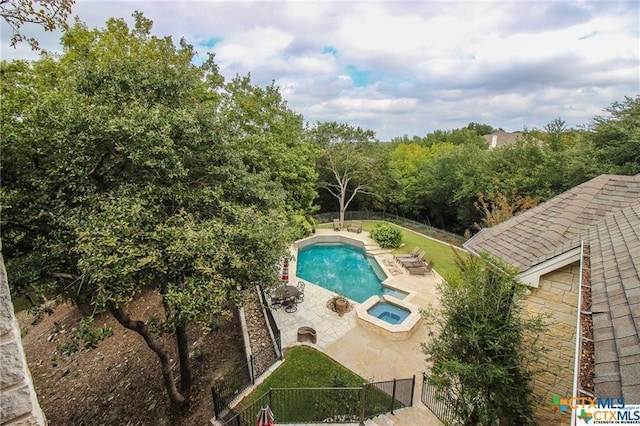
<point x="18" y="401"/>
<point x="557" y="295"/>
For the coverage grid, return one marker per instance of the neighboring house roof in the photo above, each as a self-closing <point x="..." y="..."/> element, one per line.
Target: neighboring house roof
<point x="500" y="138"/>
<point x="615" y="292"/>
<point x="605" y="213"/>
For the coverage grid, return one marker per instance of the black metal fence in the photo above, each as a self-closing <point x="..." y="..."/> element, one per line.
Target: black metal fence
<point x="228" y="388"/>
<point x="421" y="228"/>
<point x="271" y="321"/>
<point x="329" y="405"/>
<point x="438" y="401"/>
<point x="225" y="390"/>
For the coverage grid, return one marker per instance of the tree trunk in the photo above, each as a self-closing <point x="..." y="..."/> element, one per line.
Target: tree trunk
<point x="185" y="364"/>
<point x="177" y="400"/>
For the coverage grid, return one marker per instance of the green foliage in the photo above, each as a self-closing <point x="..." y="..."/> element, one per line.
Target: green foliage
<point x="128" y="167"/>
<point x="86" y="337"/>
<point x="303" y="226"/>
<point x="480" y="129"/>
<point x="481" y="344"/>
<point x="38" y="312"/>
<point x="616" y="137"/>
<point x="386" y="235"/>
<point x="90" y="335"/>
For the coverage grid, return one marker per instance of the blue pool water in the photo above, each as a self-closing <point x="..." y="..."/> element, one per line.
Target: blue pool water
<point x="343" y="269"/>
<point x="388" y="312"/>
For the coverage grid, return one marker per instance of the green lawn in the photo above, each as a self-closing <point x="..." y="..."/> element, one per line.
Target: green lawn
<point x="305" y="367"/>
<point x="442" y="255"/>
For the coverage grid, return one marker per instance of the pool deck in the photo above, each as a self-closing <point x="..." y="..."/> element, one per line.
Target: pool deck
<point x="370" y="355"/>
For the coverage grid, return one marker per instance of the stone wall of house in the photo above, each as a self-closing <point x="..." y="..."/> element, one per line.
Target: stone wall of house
<point x="556" y="295"/>
<point x="18" y="401"/>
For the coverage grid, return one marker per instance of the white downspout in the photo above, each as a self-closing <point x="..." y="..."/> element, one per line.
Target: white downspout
<point x="578" y="348"/>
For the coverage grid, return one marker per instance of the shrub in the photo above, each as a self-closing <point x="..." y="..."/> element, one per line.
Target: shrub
<point x="386" y="235"/>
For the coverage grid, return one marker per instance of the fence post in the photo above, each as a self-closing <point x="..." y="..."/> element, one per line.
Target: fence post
<point x="251" y="370"/>
<point x="413" y="388"/>
<point x="216" y="403"/>
<point x="363" y="403"/>
<point x="393" y="396"/>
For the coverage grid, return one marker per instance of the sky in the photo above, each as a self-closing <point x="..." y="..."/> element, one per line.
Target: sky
<point x="406" y="68"/>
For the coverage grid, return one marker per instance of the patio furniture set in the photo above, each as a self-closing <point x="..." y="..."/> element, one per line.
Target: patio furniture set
<point x="354" y="226"/>
<point x="415" y="262"/>
<point x="287" y="296"/>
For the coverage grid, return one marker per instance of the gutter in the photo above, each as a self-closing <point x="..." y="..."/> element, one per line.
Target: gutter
<point x="578" y="344"/>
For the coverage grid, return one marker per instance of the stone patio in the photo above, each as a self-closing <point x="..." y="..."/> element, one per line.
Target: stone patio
<point x="368" y="354"/>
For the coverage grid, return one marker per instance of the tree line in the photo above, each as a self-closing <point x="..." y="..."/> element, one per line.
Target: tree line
<point x="441" y="178"/>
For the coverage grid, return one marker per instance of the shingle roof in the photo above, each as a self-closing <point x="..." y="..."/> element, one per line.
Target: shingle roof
<point x="605" y="212"/>
<point x="615" y="289"/>
<point x="558" y="225"/>
<point x="502" y="138"/>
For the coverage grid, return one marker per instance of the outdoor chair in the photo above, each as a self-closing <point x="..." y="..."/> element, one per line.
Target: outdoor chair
<point x="420" y="269"/>
<point x="300" y="297"/>
<point x="417" y="270"/>
<point x="275" y="302"/>
<point x="290" y="305"/>
<point x="336" y="225"/>
<point x="407" y="256"/>
<point x="356" y="226"/>
<point x="414" y="262"/>
<point x="430" y="267"/>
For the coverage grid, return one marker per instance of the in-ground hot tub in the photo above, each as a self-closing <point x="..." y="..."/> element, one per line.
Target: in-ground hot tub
<point x="389" y="313"/>
<point x="388" y="316"/>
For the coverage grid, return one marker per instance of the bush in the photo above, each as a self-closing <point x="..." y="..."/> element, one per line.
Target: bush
<point x="387" y="236"/>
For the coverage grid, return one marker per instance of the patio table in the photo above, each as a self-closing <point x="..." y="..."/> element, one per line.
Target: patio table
<point x="287" y="292"/>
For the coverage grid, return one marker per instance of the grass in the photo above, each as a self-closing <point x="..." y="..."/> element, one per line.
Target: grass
<point x="305" y="367"/>
<point x="441" y="254"/>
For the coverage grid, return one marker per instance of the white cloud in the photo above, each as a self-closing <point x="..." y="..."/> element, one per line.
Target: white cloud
<point x="429" y="65"/>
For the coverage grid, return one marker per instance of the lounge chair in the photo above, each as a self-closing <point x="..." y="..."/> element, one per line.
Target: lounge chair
<point x="415" y="261"/>
<point x="421" y="269"/>
<point x="430" y="267"/>
<point x="356" y="226"/>
<point x="336" y="225"/>
<point x="412" y="254"/>
<point x="417" y="270"/>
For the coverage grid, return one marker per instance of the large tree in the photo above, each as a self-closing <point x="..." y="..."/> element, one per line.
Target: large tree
<point x="345" y="162"/>
<point x="122" y="172"/>
<point x="481" y="344"/>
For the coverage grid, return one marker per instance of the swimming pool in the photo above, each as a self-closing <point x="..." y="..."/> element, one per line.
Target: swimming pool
<point x="343" y="269"/>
